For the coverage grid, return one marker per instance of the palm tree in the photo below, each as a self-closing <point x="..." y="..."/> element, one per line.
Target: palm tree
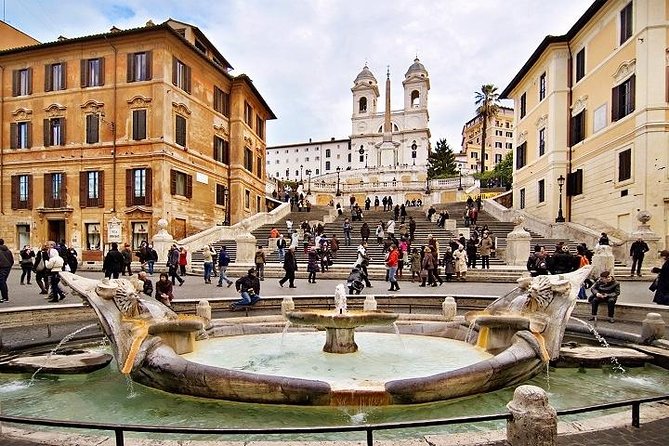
<point x="487" y="106"/>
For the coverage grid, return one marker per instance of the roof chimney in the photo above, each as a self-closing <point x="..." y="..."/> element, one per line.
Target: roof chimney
<point x="61" y="38"/>
<point x="150" y="23"/>
<point x="114" y="29"/>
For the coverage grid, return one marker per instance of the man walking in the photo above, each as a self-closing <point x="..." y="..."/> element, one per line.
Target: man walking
<point x="113" y="262"/>
<point x="638" y="249"/>
<point x="290" y="266"/>
<point x="223" y="262"/>
<point x="281" y="246"/>
<point x="6" y="262"/>
<point x="347" y="227"/>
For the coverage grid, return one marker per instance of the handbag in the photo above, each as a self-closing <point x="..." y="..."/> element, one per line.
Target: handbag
<point x="423" y="274"/>
<point x="653" y="286"/>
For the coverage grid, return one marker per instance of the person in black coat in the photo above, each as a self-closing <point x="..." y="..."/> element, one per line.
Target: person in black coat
<point x="249" y="289"/>
<point x="290" y="266"/>
<point x="638" y="250"/>
<point x="113" y="262"/>
<point x="662" y="287"/>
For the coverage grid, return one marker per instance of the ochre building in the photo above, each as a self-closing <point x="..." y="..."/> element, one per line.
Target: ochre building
<point x="104" y="135"/>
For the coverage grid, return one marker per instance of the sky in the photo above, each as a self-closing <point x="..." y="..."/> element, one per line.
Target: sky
<point x="303" y="55"/>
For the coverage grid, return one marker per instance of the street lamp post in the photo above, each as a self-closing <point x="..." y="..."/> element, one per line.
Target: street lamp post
<point x="226" y="192"/>
<point x="560" y="218"/>
<point x="308" y="172"/>
<point x="338" y="190"/>
<point x="460" y="178"/>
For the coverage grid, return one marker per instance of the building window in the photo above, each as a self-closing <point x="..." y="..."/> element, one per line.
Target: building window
<point x="54" y="190"/>
<point x="22" y="192"/>
<point x="541" y="186"/>
<point x="523" y="105"/>
<point x="521" y="154"/>
<point x="625" y="165"/>
<point x="328" y="153"/>
<point x="361" y="158"/>
<point x="348" y="158"/>
<point x="498" y="145"/>
<point x="221" y="102"/>
<point x="221" y="150"/>
<point x="22" y="235"/>
<point x="220" y="195"/>
<point x="508" y="145"/>
<point x="138" y="187"/>
<point x="522" y="199"/>
<point x="181" y="184"/>
<point x="20" y="135"/>
<point x="578" y="128"/>
<point x="139" y="66"/>
<point x="327" y="165"/>
<point x="580" y="65"/>
<point x="498" y="133"/>
<point x="22" y="82"/>
<point x="626" y="23"/>
<point x="542" y="141"/>
<point x="260" y="127"/>
<point x="180" y="75"/>
<point x="259" y="167"/>
<point x="474" y="155"/>
<point x="91" y="187"/>
<point x="623" y="99"/>
<point x="509" y="134"/>
<point x="542" y="87"/>
<point x="92" y="236"/>
<point x="140" y="233"/>
<point x="55" y="76"/>
<point x="498" y="158"/>
<point x="180" y="131"/>
<point x="54" y="132"/>
<point x="248" y="114"/>
<point x="258" y="203"/>
<point x="362" y="105"/>
<point x="575" y="183"/>
<point x="93" y="72"/>
<point x="247" y="199"/>
<point x="248" y="159"/>
<point x="92" y="128"/>
<point x="138" y="124"/>
<point x="317" y="171"/>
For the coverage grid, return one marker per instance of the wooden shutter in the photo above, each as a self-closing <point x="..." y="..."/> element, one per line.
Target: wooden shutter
<point x="138" y="124"/>
<point x="83" y="189"/>
<point x="149" y="188"/>
<point x="189" y="186"/>
<point x="63" y="75"/>
<point x="173" y="182"/>
<point x="92" y="129"/>
<point x="15" y="191"/>
<point x="131" y="68"/>
<point x="48" y="77"/>
<point x="13" y="135"/>
<point x="30" y="134"/>
<point x="63" y="191"/>
<point x="29" y="205"/>
<point x="16" y="82"/>
<point x="47" y="133"/>
<point x="149" y="65"/>
<point x="30" y="81"/>
<point x="615" y="103"/>
<point x="174" y="70"/>
<point x="101" y="189"/>
<point x="48" y="192"/>
<point x="83" y="73"/>
<point x="187" y="73"/>
<point x="128" y="187"/>
<point x="632" y="91"/>
<point x="63" y="132"/>
<point x="102" y="71"/>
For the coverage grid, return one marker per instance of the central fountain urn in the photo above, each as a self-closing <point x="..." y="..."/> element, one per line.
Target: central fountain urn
<point x="340" y="324"/>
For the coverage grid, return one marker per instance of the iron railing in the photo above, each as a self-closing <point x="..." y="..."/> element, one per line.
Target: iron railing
<point x="369" y="429"/>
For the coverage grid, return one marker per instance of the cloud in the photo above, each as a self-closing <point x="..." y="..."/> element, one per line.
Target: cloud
<point x="304" y="54"/>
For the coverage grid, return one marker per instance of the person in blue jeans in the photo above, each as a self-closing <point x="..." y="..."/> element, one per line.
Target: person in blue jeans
<point x="249" y="290"/>
<point x="223" y="262"/>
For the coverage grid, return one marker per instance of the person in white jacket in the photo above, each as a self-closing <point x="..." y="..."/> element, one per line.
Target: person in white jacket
<point x="54" y="265"/>
<point x="460" y="259"/>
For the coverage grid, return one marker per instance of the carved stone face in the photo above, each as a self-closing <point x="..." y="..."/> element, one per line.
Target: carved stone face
<point x="540" y="293"/>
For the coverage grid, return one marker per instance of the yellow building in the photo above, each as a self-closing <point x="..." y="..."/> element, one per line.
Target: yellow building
<point x="498" y="141"/>
<point x="591" y="107"/>
<point x="104" y="135"/>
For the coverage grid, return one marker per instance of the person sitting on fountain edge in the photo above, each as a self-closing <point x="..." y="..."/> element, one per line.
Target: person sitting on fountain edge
<point x="249" y="289"/>
<point x="606" y="289"/>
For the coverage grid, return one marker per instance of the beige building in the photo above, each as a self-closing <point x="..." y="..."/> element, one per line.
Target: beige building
<point x="104" y="135"/>
<point x="591" y="107"/>
<point x="498" y="141"/>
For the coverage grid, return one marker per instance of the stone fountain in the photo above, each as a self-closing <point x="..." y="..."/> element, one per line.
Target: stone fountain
<point x="340" y="324"/>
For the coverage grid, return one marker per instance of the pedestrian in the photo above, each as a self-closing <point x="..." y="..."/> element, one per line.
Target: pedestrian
<point x="537" y="262"/>
<point x="289" y="266"/>
<point x="415" y="261"/>
<point x="605" y="290"/>
<point x="112" y="265"/>
<point x="364" y="232"/>
<point x="385" y="203"/>
<point x="55" y="265"/>
<point x="368" y="202"/>
<point x="390" y="228"/>
<point x="281" y="247"/>
<point x="661" y="284"/>
<point x="165" y="289"/>
<point x="223" y="262"/>
<point x="151" y="258"/>
<point x="147" y="285"/>
<point x="72" y="259"/>
<point x="249" y="290"/>
<point x="183" y="260"/>
<point x="447" y="261"/>
<point x="427" y="268"/>
<point x="412" y="228"/>
<point x="173" y="265"/>
<point x="362" y="260"/>
<point x="6" y="263"/>
<point x="126" y="253"/>
<point x="380" y="233"/>
<point x="27" y="255"/>
<point x="376" y="202"/>
<point x="347" y="227"/>
<point x="472" y="247"/>
<point x="260" y="261"/>
<point x="392" y="264"/>
<point x="39" y="267"/>
<point x="312" y="264"/>
<point x="460" y="260"/>
<point x="485" y="247"/>
<point x="334" y="245"/>
<point x="603" y="239"/>
<point x="208" y="254"/>
<point x="638" y="250"/>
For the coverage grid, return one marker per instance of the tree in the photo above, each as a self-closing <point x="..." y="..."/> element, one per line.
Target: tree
<point x="441" y="162"/>
<point x="487" y="103"/>
<point x="501" y="175"/>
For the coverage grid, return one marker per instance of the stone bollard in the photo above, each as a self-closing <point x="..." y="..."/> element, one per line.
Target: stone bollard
<point x="287" y="305"/>
<point x="203" y="310"/>
<point x="652" y="328"/>
<point x="369" y="304"/>
<point x="533" y="421"/>
<point x="449" y="308"/>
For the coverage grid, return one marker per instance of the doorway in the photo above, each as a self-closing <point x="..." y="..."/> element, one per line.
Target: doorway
<point x="56" y="230"/>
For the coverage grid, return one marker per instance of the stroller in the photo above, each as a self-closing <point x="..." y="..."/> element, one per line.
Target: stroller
<point x="355" y="281"/>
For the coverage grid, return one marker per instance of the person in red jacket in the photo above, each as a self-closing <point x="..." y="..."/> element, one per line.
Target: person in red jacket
<point x="392" y="263"/>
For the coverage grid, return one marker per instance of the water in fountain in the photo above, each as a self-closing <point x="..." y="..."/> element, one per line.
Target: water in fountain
<point x="614" y="361"/>
<point x="53" y="351"/>
<point x="399" y="337"/>
<point x="283" y="333"/>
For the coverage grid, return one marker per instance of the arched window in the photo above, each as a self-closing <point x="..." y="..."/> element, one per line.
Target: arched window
<point x="415" y="98"/>
<point x="362" y="105"/>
